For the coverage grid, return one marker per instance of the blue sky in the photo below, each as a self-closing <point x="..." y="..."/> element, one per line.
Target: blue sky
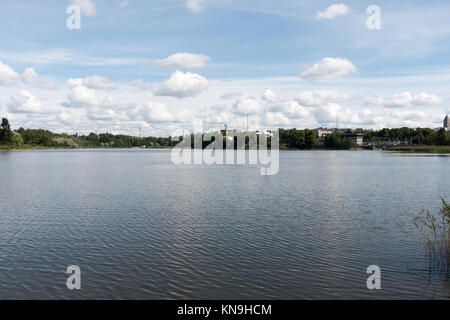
<point x="162" y="65"/>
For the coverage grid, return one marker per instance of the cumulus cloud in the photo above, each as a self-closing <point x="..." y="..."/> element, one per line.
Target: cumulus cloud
<point x="277" y="119"/>
<point x="269" y="96"/>
<point x="217" y="115"/>
<point x="333" y="11"/>
<point x="328" y="113"/>
<point x="7" y="75"/>
<point x="320" y="97"/>
<point x="152" y="112"/>
<point x="374" y="101"/>
<point x="230" y="95"/>
<point x="25" y="102"/>
<point x="408" y="115"/>
<point x="123" y="4"/>
<point x="181" y="85"/>
<point x="404" y="99"/>
<point x="104" y="114"/>
<point x="81" y="96"/>
<point x="329" y="69"/>
<point x="87" y="7"/>
<point x="141" y="85"/>
<point x="67" y="118"/>
<point x="30" y="77"/>
<point x="247" y="106"/>
<point x="195" y="5"/>
<point x="99" y="83"/>
<point x="291" y="109"/>
<point x="156" y="112"/>
<point x="183" y="60"/>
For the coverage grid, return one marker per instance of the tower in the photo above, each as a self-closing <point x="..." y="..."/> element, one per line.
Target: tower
<point x="447" y="123"/>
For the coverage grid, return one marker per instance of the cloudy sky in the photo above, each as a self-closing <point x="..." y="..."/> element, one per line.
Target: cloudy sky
<point x="164" y="65"/>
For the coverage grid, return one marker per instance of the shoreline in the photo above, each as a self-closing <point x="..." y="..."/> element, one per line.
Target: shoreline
<point x="416" y="149"/>
<point x="50" y="148"/>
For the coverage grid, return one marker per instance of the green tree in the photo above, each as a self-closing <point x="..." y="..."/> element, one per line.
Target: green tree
<point x="310" y="138"/>
<point x="335" y="141"/>
<point x="442" y="137"/>
<point x="5" y="132"/>
<point x="17" y="139"/>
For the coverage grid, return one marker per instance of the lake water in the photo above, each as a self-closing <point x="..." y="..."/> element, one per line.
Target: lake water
<point x="140" y="227"/>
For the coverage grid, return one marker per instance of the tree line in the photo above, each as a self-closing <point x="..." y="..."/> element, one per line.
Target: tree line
<point x="46" y="138"/>
<point x="289" y="138"/>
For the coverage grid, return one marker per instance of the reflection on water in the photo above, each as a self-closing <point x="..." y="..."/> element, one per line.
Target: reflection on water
<point x="407" y="154"/>
<point x="142" y="228"/>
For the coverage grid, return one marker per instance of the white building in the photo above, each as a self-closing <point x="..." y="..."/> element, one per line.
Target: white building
<point x="322" y="132"/>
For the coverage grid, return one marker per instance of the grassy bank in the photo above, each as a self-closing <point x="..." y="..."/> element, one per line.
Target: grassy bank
<point x="421" y="149"/>
<point x="20" y="148"/>
<point x="32" y="148"/>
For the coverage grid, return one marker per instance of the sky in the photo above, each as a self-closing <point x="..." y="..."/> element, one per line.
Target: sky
<point x="163" y="67"/>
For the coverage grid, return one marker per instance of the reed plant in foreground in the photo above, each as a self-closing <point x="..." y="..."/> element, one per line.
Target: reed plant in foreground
<point x="435" y="228"/>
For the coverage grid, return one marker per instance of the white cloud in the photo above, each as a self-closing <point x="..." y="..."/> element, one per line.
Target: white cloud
<point x="195" y="5"/>
<point x="99" y="83"/>
<point x="291" y="109"/>
<point x="30" y="77"/>
<point x="217" y="115"/>
<point x="329" y="69"/>
<point x="25" y="102"/>
<point x="156" y="112"/>
<point x="328" y="113"/>
<point x="183" y="60"/>
<point x="247" y="106"/>
<point x="104" y="114"/>
<point x="333" y="11"/>
<point x="320" y="97"/>
<point x="408" y="115"/>
<point x="81" y="96"/>
<point x="277" y="119"/>
<point x="230" y="95"/>
<point x="181" y="85"/>
<point x="374" y="101"/>
<point x="7" y="75"/>
<point x="87" y="7"/>
<point x="424" y="98"/>
<point x="404" y="99"/>
<point x="152" y="112"/>
<point x="70" y="57"/>
<point x="123" y="4"/>
<point x="67" y="118"/>
<point x="141" y="85"/>
<point x="269" y="96"/>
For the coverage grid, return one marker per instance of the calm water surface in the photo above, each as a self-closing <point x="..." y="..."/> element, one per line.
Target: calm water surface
<point x="142" y="228"/>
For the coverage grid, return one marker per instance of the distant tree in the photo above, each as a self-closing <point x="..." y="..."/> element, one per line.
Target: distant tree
<point x="310" y="138"/>
<point x="17" y="139"/>
<point x="442" y="138"/>
<point x="335" y="141"/>
<point x="5" y="132"/>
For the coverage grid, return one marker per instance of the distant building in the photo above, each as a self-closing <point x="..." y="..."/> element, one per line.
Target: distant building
<point x="322" y="132"/>
<point x="267" y="133"/>
<point x="358" y="138"/>
<point x="447" y="123"/>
